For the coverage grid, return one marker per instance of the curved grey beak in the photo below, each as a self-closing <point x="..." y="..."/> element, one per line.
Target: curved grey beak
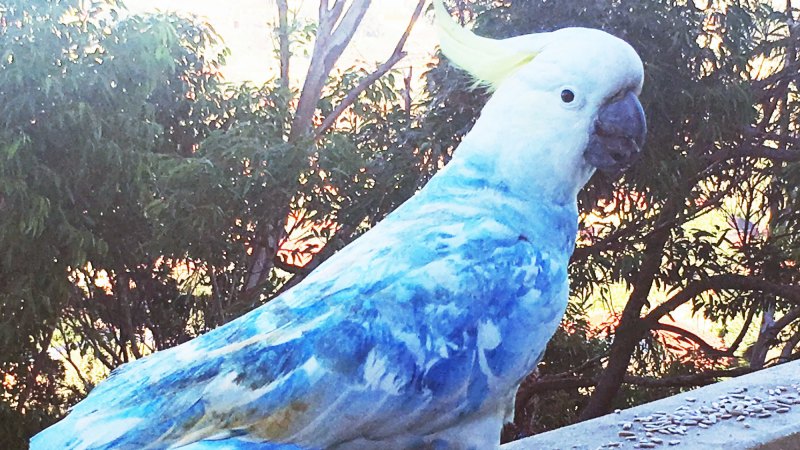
<point x="619" y="134"/>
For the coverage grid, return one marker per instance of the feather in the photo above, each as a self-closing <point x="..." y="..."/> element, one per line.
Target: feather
<point x="488" y="61"/>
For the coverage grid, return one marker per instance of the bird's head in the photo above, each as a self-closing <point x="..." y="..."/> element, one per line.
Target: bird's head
<point x="563" y="103"/>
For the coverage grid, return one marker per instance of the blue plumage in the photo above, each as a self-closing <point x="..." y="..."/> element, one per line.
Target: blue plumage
<point x="426" y="321"/>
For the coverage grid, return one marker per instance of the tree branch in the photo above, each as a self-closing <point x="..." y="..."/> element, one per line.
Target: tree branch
<point x="704" y="346"/>
<point x="721" y="282"/>
<point x="786" y="319"/>
<point x="36" y="367"/>
<point x="699" y="379"/>
<point x="286" y="267"/>
<point x="788" y="348"/>
<point x="324" y="253"/>
<point x="367" y="81"/>
<point x="547" y="384"/>
<point x="631" y="329"/>
<point x="760" y="151"/>
<point x="745" y="327"/>
<point x="585" y="365"/>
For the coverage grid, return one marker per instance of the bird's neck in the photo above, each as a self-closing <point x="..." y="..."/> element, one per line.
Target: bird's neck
<point x="514" y="174"/>
<point x="533" y="157"/>
<point x="470" y="187"/>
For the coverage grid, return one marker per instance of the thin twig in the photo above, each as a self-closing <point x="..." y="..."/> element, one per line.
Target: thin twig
<point x="704" y="346"/>
<point x="721" y="282"/>
<point x="283" y="42"/>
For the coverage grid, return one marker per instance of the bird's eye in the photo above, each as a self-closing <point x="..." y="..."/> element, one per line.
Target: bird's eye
<point x="567" y="96"/>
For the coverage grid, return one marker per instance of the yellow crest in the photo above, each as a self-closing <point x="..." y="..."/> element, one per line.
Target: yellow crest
<point x="489" y="61"/>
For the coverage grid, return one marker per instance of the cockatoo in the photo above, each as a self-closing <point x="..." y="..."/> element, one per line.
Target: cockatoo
<point x="418" y="334"/>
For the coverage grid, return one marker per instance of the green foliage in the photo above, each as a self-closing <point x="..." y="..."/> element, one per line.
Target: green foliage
<point x="88" y="100"/>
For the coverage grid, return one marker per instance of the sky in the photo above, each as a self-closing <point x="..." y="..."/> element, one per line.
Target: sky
<point x="246" y="27"/>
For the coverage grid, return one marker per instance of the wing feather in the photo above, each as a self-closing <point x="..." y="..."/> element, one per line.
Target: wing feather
<point x="381" y="339"/>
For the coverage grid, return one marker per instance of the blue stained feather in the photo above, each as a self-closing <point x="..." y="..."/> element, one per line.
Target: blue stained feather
<point x="426" y="322"/>
<point x="237" y="444"/>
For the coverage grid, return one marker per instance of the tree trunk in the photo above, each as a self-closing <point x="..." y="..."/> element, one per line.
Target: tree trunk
<point x="631" y="329"/>
<point x="766" y="335"/>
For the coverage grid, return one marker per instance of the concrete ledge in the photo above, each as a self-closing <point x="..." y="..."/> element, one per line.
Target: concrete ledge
<point x="756" y="411"/>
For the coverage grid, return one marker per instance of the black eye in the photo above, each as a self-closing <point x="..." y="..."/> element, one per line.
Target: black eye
<point x="567" y="96"/>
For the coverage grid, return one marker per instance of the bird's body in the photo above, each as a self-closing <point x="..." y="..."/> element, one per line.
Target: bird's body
<point x="417" y="334"/>
<point x="423" y="323"/>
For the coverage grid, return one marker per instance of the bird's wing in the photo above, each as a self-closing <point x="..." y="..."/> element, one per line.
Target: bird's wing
<point x="381" y="339"/>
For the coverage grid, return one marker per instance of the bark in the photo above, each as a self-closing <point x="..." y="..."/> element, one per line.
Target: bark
<point x="336" y="28"/>
<point x="745" y="327"/>
<point x="766" y="337"/>
<point x="127" y="330"/>
<point x="769" y="336"/>
<point x="407" y="92"/>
